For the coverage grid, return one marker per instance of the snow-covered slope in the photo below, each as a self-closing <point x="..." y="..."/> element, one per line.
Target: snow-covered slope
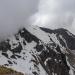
<point x="39" y="51"/>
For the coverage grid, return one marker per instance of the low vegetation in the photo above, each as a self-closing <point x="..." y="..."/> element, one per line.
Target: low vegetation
<point x="8" y="71"/>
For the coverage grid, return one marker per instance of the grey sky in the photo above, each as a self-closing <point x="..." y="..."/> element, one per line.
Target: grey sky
<point x="14" y="13"/>
<point x="48" y="13"/>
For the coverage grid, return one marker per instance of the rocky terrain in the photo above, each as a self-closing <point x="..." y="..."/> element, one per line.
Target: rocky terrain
<point x="39" y="51"/>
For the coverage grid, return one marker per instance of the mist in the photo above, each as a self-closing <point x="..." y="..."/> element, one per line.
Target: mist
<point x="52" y="14"/>
<point x="56" y="14"/>
<point x="14" y="14"/>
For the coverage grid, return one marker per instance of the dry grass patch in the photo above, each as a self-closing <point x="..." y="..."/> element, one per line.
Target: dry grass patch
<point x="8" y="71"/>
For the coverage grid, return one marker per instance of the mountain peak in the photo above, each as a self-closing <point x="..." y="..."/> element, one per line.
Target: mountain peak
<point x="39" y="51"/>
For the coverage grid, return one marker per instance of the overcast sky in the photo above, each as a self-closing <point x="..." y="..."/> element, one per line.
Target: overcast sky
<point x="49" y="13"/>
<point x="14" y="13"/>
<point x="56" y="14"/>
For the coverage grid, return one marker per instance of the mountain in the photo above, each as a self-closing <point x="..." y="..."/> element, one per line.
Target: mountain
<point x="35" y="50"/>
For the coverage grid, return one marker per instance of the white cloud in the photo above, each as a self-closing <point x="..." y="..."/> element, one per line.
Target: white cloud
<point x="49" y="13"/>
<point x="14" y="13"/>
<point x="60" y="13"/>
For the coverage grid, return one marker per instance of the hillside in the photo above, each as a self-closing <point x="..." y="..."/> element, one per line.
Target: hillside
<point x="8" y="71"/>
<point x="39" y="51"/>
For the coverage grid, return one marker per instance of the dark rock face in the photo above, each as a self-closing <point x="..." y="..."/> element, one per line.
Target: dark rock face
<point x="69" y="37"/>
<point x="54" y="62"/>
<point x="5" y="54"/>
<point x="17" y="49"/>
<point x="28" y="36"/>
<point x="4" y="46"/>
<point x="50" y="56"/>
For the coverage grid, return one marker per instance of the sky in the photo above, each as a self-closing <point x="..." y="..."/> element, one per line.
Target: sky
<point x="56" y="14"/>
<point x="45" y="13"/>
<point x="14" y="14"/>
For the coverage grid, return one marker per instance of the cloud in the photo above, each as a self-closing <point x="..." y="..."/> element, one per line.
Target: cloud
<point x="49" y="13"/>
<point x="14" y="14"/>
<point x="58" y="14"/>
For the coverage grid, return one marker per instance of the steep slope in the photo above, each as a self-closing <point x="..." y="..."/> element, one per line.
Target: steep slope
<point x="69" y="37"/>
<point x="39" y="51"/>
<point x="8" y="71"/>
